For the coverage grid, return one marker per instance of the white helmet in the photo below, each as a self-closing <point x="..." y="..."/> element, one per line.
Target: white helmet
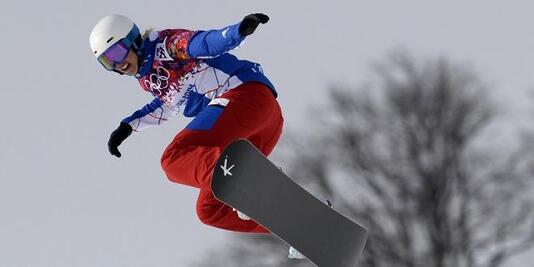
<point x="112" y="29"/>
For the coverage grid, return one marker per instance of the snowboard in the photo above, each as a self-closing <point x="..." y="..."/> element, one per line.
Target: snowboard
<point x="247" y="181"/>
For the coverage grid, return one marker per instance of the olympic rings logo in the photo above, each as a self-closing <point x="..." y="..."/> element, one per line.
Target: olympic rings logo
<point x="159" y="81"/>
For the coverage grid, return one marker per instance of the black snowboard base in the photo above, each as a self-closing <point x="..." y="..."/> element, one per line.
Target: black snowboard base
<point x="247" y="181"/>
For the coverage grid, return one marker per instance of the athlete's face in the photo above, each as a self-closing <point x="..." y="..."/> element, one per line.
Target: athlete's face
<point x="129" y="66"/>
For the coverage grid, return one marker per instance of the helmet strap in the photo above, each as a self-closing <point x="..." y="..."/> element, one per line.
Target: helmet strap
<point x="136" y="46"/>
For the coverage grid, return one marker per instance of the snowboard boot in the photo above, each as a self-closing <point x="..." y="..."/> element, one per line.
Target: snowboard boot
<point x="294" y="254"/>
<point x="241" y="215"/>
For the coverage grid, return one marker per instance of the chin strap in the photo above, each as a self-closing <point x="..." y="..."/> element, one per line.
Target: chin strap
<point x="114" y="70"/>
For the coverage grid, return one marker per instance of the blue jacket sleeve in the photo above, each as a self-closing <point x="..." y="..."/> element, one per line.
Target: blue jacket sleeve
<point x="213" y="43"/>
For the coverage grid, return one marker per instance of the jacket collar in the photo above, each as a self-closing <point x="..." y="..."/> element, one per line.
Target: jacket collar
<point x="146" y="56"/>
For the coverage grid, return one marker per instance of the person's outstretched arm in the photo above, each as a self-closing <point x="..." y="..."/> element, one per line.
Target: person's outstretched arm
<point x="153" y="113"/>
<point x="213" y="43"/>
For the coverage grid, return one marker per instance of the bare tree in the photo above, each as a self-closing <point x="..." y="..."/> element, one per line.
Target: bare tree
<point x="405" y="156"/>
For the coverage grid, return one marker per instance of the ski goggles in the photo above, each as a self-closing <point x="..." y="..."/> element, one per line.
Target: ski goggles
<point x="117" y="53"/>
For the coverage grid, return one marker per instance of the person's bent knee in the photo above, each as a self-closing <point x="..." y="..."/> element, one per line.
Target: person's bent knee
<point x="172" y="166"/>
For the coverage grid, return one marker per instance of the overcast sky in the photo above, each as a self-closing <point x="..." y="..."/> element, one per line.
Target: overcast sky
<point x="64" y="201"/>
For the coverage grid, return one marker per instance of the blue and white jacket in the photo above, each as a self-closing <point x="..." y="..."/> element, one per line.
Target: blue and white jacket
<point x="187" y="70"/>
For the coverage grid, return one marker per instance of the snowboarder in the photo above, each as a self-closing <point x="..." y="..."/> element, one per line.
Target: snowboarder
<point x="192" y="72"/>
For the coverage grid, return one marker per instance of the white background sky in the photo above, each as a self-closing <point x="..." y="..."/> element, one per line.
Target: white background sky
<point x="64" y="201"/>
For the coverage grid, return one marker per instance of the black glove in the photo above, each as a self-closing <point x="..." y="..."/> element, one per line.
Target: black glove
<point x="251" y="22"/>
<point x="122" y="132"/>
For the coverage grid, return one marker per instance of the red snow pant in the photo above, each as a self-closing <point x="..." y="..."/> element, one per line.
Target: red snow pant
<point x="252" y="113"/>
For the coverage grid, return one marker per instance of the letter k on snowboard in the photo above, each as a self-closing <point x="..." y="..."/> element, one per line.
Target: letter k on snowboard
<point x="226" y="170"/>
